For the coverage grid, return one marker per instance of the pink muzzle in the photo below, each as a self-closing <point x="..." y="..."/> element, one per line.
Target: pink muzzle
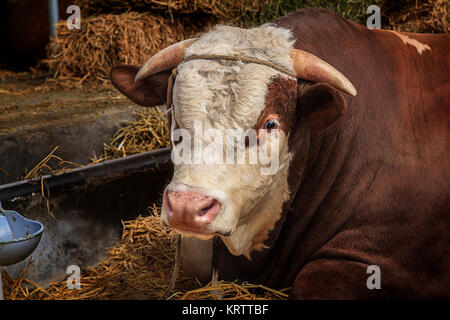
<point x="189" y="211"/>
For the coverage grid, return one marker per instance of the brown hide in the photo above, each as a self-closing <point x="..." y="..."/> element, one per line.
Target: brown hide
<point x="373" y="189"/>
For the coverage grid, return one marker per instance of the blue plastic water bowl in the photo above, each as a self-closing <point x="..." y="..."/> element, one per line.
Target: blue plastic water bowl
<point x="18" y="237"/>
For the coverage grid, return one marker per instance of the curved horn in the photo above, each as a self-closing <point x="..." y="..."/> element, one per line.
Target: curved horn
<point x="165" y="59"/>
<point x="310" y="67"/>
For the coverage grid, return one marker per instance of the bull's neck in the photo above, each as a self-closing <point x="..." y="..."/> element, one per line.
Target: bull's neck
<point x="326" y="184"/>
<point x="329" y="177"/>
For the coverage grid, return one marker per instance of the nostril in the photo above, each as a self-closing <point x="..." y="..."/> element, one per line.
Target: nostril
<point x="209" y="208"/>
<point x="203" y="211"/>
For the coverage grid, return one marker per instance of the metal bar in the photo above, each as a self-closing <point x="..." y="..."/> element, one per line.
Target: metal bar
<point x="156" y="160"/>
<point x="53" y="16"/>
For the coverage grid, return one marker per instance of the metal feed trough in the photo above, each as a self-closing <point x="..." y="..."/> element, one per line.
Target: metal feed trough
<point x="88" y="205"/>
<point x="19" y="237"/>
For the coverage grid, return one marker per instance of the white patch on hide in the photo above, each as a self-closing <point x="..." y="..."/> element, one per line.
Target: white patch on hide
<point x="420" y="47"/>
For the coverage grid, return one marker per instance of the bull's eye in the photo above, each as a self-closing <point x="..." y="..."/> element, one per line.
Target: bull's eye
<point x="271" y="124"/>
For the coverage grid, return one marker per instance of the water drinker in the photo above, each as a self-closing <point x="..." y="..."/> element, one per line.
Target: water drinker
<point x="19" y="237"/>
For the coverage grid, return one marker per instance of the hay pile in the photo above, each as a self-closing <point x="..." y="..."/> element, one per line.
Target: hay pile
<point x="225" y="9"/>
<point x="429" y="16"/>
<point x="149" y="131"/>
<point x="108" y="40"/>
<point x="130" y="32"/>
<point x="138" y="267"/>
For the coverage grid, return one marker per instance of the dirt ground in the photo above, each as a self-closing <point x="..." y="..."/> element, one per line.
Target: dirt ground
<point x="28" y="100"/>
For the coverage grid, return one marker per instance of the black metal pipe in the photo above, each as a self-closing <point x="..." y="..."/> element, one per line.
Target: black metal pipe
<point x="152" y="160"/>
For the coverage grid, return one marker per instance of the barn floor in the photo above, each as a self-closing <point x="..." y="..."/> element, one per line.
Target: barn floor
<point x="38" y="114"/>
<point x="28" y="100"/>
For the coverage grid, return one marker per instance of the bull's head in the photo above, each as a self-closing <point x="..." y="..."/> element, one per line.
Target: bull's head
<point x="235" y="200"/>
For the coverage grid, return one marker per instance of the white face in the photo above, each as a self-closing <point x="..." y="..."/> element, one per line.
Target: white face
<point x="210" y="98"/>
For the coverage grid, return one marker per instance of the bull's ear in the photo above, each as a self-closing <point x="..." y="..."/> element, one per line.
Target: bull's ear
<point x="321" y="105"/>
<point x="150" y="91"/>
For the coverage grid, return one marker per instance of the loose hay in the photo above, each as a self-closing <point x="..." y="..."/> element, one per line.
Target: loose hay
<point x="149" y="131"/>
<point x="8" y="74"/>
<point x="224" y="9"/>
<point x="430" y="16"/>
<point x="108" y="40"/>
<point x="138" y="267"/>
<point x="44" y="167"/>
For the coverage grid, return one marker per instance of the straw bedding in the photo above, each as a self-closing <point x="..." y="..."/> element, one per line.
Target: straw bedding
<point x="149" y="131"/>
<point x="224" y="9"/>
<point x="108" y="40"/>
<point x="139" y="266"/>
<point x="429" y="16"/>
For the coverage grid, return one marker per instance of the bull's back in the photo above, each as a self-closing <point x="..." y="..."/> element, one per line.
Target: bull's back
<point x="397" y="132"/>
<point x="403" y="99"/>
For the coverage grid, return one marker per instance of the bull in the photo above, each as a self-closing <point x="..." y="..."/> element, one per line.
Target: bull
<point x="361" y="119"/>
